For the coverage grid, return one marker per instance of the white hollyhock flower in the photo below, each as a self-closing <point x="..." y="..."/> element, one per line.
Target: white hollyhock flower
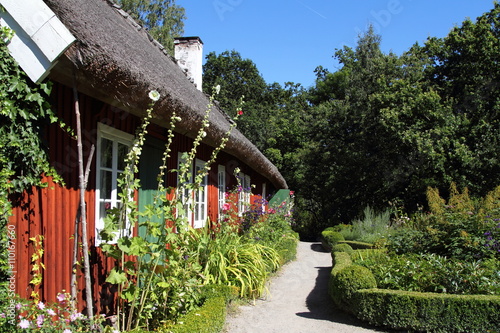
<point x="154" y="95"/>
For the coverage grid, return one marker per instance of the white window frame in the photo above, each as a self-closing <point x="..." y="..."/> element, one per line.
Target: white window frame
<point x="186" y="196"/>
<point x="115" y="136"/>
<point x="221" y="187"/>
<point x="200" y="197"/>
<point x="195" y="202"/>
<point x="264" y="194"/>
<point x="244" y="194"/>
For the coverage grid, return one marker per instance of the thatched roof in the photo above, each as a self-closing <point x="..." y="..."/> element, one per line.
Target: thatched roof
<point x="116" y="61"/>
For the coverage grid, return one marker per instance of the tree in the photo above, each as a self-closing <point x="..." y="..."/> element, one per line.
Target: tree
<point x="466" y="70"/>
<point x="239" y="78"/>
<point x="381" y="133"/>
<point x="163" y="18"/>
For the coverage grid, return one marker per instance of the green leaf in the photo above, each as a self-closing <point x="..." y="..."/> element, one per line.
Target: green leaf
<point x="116" y="276"/>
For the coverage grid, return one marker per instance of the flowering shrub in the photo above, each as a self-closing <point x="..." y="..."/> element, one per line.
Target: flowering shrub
<point x="60" y="316"/>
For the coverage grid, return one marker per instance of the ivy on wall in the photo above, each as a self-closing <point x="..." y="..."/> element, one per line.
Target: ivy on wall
<point x="25" y="112"/>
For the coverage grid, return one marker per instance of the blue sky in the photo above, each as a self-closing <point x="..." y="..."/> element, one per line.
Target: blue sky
<point x="288" y="39"/>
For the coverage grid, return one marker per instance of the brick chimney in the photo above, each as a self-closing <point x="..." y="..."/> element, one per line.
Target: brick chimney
<point x="189" y="56"/>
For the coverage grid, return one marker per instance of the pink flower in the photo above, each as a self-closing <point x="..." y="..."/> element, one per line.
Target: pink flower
<point x="41" y="306"/>
<point x="18" y="306"/>
<point x="39" y="320"/>
<point x="75" y="316"/>
<point x="226" y="207"/>
<point x="51" y="312"/>
<point x="61" y="297"/>
<point x="67" y="330"/>
<point x="292" y="192"/>
<point x="24" y="323"/>
<point x="240" y="112"/>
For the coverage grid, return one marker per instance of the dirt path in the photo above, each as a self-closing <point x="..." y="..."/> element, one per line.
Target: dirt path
<point x="298" y="301"/>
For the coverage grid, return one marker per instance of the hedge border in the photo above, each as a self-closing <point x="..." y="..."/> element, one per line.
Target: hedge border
<point x="429" y="312"/>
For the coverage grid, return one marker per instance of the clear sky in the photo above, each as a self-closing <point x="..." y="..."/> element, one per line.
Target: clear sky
<point x="288" y="39"/>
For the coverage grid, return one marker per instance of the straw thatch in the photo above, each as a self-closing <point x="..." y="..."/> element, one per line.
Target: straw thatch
<point x="116" y="60"/>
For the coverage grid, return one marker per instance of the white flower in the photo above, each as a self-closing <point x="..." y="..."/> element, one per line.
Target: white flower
<point x="154" y="95"/>
<point x="217" y="89"/>
<point x="203" y="134"/>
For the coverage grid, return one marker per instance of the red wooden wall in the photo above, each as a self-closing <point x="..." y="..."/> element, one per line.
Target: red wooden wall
<point x="51" y="211"/>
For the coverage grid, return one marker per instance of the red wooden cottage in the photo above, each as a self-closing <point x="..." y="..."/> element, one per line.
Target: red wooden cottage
<point x="114" y="64"/>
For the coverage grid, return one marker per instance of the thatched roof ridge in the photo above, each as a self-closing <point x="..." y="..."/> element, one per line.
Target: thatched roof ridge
<point x="117" y="61"/>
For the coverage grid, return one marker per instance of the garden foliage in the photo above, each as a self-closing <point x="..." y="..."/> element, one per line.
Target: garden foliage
<point x="160" y="276"/>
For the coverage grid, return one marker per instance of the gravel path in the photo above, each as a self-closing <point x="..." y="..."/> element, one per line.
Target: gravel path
<point x="298" y="301"/>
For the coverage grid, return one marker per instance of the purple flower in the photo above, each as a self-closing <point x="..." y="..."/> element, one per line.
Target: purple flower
<point x="51" y="312"/>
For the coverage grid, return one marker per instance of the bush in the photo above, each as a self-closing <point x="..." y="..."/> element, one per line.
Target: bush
<point x="287" y="247"/>
<point x="427" y="312"/>
<point x="347" y="281"/>
<point x="342" y="247"/>
<point x="208" y="318"/>
<point x="330" y="238"/>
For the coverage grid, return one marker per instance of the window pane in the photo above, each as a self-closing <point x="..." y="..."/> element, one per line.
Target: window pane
<point x="105" y="190"/>
<point x="106" y="153"/>
<point x="103" y="208"/>
<point x="122" y="154"/>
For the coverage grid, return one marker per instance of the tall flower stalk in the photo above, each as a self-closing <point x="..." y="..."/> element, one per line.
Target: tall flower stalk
<point x="157" y="275"/>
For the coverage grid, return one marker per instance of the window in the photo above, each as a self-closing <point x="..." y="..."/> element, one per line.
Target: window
<point x="200" y="198"/>
<point x="112" y="149"/>
<point x="244" y="193"/>
<point x="221" y="186"/>
<point x="264" y="194"/>
<point x="195" y="202"/>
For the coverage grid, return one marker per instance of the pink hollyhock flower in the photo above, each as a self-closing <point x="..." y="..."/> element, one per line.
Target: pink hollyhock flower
<point x="51" y="312"/>
<point x="39" y="320"/>
<point x="61" y="297"/>
<point x="41" y="306"/>
<point x="75" y="316"/>
<point x="226" y="207"/>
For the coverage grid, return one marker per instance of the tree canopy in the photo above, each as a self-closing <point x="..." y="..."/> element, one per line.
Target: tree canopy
<point x="163" y="18"/>
<point x="383" y="127"/>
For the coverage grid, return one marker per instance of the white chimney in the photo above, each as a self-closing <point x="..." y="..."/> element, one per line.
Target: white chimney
<point x="189" y="56"/>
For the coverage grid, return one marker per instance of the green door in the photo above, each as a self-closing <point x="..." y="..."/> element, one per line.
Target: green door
<point x="149" y="167"/>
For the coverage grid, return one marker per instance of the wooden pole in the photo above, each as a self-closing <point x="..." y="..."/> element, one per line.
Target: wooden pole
<point x="76" y="234"/>
<point x="83" y="207"/>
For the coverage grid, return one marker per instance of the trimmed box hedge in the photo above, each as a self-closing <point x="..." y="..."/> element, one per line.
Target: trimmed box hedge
<point x="403" y="310"/>
<point x="429" y="312"/>
<point x="357" y="245"/>
<point x="329" y="238"/>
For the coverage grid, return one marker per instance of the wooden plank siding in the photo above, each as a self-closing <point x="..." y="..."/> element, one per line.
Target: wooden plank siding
<point x="51" y="211"/>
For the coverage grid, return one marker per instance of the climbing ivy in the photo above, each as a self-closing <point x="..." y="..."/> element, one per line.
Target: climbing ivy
<point x="25" y="113"/>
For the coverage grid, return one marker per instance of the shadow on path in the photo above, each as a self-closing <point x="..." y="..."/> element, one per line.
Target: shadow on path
<point x="321" y="306"/>
<point x="318" y="248"/>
